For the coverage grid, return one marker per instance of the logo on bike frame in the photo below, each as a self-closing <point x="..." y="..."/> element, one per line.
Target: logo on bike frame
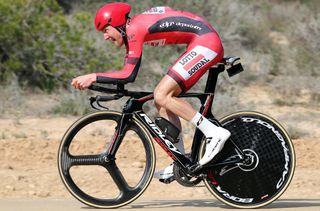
<point x="159" y="133"/>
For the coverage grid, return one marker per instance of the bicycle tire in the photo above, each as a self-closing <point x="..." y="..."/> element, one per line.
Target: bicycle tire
<point x="269" y="170"/>
<point x="126" y="193"/>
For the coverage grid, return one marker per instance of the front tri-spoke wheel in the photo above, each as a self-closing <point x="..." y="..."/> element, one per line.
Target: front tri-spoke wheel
<point x="91" y="174"/>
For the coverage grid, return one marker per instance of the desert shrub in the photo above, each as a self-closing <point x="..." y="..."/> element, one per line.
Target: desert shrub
<point x="44" y="47"/>
<point x="72" y="103"/>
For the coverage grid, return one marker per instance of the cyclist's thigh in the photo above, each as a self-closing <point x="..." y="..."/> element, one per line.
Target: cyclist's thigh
<point x="201" y="54"/>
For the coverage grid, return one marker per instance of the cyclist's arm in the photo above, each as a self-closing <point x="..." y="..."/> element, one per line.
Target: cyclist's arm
<point x="131" y="63"/>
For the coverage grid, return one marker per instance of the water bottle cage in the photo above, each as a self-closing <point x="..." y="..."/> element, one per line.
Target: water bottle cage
<point x="169" y="129"/>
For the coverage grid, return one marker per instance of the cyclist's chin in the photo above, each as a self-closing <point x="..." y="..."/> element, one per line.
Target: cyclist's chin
<point x="118" y="43"/>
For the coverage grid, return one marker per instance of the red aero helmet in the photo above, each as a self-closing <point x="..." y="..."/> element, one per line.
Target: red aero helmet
<point x="114" y="14"/>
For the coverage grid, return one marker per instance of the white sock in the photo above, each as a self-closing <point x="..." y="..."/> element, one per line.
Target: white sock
<point x="203" y="124"/>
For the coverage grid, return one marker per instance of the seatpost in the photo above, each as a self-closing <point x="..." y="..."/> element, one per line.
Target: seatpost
<point x="213" y="78"/>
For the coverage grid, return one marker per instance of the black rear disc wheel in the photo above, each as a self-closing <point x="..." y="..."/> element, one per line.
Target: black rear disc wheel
<point x="267" y="170"/>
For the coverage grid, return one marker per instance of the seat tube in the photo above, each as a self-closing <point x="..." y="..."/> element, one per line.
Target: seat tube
<point x="213" y="78"/>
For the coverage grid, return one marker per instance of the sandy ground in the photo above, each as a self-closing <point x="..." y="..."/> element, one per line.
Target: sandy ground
<point x="29" y="146"/>
<point x="28" y="155"/>
<point x="152" y="204"/>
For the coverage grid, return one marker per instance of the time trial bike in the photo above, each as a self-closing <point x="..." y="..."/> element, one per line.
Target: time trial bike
<point x="253" y="169"/>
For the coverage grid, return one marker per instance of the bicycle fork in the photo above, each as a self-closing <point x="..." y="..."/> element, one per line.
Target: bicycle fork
<point x="117" y="137"/>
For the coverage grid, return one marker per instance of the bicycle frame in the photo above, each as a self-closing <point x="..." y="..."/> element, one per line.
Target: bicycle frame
<point x="133" y="109"/>
<point x="265" y="163"/>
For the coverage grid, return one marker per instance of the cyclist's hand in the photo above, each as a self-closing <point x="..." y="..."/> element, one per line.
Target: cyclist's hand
<point x="84" y="81"/>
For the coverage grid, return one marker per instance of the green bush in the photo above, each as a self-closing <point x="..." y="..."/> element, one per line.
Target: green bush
<point x="44" y="47"/>
<point x="46" y="44"/>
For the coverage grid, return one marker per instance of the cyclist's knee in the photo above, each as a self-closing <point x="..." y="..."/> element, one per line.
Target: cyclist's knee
<point x="165" y="91"/>
<point x="158" y="107"/>
<point x="160" y="98"/>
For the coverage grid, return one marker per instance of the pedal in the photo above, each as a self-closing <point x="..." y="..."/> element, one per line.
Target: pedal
<point x="184" y="179"/>
<point x="167" y="181"/>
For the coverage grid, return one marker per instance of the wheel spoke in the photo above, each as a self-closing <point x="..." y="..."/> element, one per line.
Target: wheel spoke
<point x="119" y="185"/>
<point x="117" y="177"/>
<point x="87" y="160"/>
<point x="82" y="160"/>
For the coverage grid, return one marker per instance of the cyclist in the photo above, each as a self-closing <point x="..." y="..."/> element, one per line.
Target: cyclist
<point x="161" y="26"/>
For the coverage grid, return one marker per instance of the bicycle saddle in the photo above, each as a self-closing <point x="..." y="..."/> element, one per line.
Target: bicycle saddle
<point x="230" y="60"/>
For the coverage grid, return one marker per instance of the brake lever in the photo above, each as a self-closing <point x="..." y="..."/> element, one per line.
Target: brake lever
<point x="101" y="106"/>
<point x="99" y="98"/>
<point x="92" y="100"/>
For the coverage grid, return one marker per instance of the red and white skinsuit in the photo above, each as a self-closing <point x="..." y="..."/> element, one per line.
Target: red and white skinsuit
<point x="162" y="26"/>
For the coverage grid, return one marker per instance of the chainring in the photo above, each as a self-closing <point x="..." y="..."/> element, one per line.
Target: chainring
<point x="183" y="179"/>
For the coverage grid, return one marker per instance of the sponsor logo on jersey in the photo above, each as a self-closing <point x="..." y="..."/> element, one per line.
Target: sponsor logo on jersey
<point x="155" y="42"/>
<point x="188" y="57"/>
<point x="130" y="37"/>
<point x="181" y="24"/>
<point x="155" y="10"/>
<point x="194" y="61"/>
<point x="166" y="24"/>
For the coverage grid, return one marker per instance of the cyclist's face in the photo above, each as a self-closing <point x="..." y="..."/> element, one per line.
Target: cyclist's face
<point x="110" y="33"/>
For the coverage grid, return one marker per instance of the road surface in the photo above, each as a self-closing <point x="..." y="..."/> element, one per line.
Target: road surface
<point x="151" y="204"/>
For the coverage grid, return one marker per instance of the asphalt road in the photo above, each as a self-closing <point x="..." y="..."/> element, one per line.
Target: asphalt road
<point x="152" y="204"/>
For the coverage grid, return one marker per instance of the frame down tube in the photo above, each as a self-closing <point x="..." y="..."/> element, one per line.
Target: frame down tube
<point x="162" y="140"/>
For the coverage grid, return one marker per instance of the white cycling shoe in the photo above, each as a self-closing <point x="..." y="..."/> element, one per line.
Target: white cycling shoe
<point x="165" y="174"/>
<point x="214" y="144"/>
